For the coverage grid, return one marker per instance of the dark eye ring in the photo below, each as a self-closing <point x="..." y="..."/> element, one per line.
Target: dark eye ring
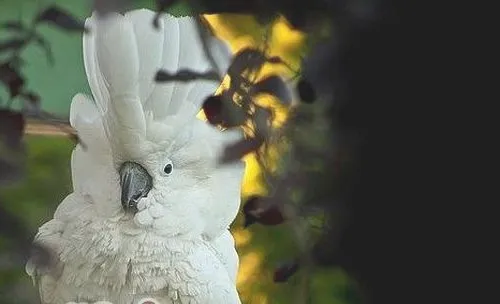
<point x="168" y="169"/>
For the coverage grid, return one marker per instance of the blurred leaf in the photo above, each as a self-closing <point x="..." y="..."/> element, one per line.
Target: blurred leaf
<point x="15" y="26"/>
<point x="232" y="115"/>
<point x="46" y="47"/>
<point x="285" y="271"/>
<point x="11" y="78"/>
<point x="11" y="148"/>
<point x="31" y="103"/>
<point x="245" y="59"/>
<point x="221" y="110"/>
<point x="237" y="150"/>
<point x="9" y="224"/>
<point x="61" y="18"/>
<point x="212" y="107"/>
<point x="163" y="5"/>
<point x="266" y="17"/>
<point x="306" y="91"/>
<point x="10" y="172"/>
<point x="17" y="62"/>
<point x="11" y="44"/>
<point x="275" y="60"/>
<point x="273" y="85"/>
<point x="106" y="6"/>
<point x="262" y="119"/>
<point x="180" y="9"/>
<point x="262" y="210"/>
<point x="186" y="75"/>
<point x="11" y="128"/>
<point x="233" y="6"/>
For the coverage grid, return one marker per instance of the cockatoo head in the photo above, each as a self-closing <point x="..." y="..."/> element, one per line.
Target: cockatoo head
<point x="162" y="160"/>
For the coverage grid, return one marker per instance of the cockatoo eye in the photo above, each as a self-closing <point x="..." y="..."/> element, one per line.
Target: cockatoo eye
<point x="168" y="168"/>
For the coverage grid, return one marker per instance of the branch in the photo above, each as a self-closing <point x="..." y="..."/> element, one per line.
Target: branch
<point x="39" y="127"/>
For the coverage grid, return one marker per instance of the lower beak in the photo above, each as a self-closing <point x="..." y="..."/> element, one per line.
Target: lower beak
<point x="135" y="183"/>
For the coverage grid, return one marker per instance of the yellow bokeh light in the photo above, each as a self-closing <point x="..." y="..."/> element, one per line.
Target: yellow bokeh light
<point x="242" y="32"/>
<point x="241" y="237"/>
<point x="249" y="264"/>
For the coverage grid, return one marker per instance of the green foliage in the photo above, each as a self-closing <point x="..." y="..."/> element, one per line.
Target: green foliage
<point x="47" y="181"/>
<point x="178" y="9"/>
<point x="33" y="200"/>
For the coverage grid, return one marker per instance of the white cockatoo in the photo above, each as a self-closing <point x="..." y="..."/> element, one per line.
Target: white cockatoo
<point x="151" y="206"/>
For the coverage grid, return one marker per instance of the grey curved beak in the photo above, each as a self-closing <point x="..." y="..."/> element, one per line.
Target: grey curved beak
<point x="135" y="183"/>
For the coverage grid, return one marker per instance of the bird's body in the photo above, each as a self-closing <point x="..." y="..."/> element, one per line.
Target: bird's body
<point x="151" y="207"/>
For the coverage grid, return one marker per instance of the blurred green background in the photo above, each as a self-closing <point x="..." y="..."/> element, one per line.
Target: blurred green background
<point x="48" y="172"/>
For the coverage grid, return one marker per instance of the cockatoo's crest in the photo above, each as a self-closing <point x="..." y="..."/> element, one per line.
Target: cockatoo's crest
<point x="122" y="54"/>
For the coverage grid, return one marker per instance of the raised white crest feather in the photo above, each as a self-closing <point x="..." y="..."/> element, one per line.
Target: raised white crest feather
<point x="177" y="247"/>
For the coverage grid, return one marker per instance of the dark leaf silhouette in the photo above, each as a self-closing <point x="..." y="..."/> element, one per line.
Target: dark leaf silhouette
<point x="275" y="60"/>
<point x="221" y="110"/>
<point x="11" y="44"/>
<point x="16" y="26"/>
<point x="266" y="17"/>
<point x="273" y="85"/>
<point x="103" y="7"/>
<point x="11" y="78"/>
<point x="246" y="59"/>
<point x="162" y="5"/>
<point x="285" y="271"/>
<point x="212" y="107"/>
<point x="306" y="91"/>
<point x="233" y="115"/>
<point x="9" y="225"/>
<point x="11" y="154"/>
<point x="9" y="172"/>
<point x="16" y="62"/>
<point x="31" y="97"/>
<point x="11" y="128"/>
<point x="186" y="75"/>
<point x="262" y="210"/>
<point x="46" y="47"/>
<point x="237" y="150"/>
<point x="248" y="207"/>
<point x="61" y="18"/>
<point x="31" y="104"/>
<point x="262" y="119"/>
<point x="236" y="6"/>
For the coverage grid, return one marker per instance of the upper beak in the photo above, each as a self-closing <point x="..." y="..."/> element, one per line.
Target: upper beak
<point x="135" y="182"/>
